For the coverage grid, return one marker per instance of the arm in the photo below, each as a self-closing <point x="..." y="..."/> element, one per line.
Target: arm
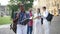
<point x="16" y="17"/>
<point x="35" y="17"/>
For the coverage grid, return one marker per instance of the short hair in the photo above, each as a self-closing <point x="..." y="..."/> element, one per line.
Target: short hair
<point x="44" y="7"/>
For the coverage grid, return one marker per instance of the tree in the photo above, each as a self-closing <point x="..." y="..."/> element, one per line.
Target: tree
<point x="13" y="8"/>
<point x="13" y="5"/>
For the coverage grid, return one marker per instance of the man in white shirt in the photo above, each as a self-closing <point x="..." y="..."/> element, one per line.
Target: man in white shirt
<point x="45" y="22"/>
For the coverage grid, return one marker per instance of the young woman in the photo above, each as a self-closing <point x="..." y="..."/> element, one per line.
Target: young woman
<point x="30" y="24"/>
<point x="37" y="23"/>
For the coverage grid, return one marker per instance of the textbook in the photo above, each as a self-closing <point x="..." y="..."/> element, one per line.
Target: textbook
<point x="25" y="21"/>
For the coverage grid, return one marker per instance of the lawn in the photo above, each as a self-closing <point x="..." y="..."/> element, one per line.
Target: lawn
<point x="5" y="20"/>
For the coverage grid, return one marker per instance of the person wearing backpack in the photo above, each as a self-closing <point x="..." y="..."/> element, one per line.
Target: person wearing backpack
<point x="47" y="17"/>
<point x="21" y="28"/>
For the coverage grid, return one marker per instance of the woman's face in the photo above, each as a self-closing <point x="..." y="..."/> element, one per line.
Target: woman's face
<point x="38" y="10"/>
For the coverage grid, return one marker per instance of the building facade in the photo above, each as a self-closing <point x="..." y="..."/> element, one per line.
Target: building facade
<point x="52" y="5"/>
<point x="3" y="10"/>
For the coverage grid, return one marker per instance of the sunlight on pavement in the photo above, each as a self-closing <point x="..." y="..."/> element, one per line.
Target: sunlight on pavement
<point x="5" y="26"/>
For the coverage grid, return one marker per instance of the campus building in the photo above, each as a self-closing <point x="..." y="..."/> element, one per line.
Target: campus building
<point x="3" y="10"/>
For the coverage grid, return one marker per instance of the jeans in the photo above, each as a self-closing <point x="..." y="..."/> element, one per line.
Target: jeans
<point x="29" y="30"/>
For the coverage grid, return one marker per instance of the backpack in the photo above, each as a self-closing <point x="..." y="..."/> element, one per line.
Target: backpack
<point x="49" y="17"/>
<point x="41" y="21"/>
<point x="13" y="26"/>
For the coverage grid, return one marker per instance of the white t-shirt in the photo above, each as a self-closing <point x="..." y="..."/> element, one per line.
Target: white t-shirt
<point x="45" y="13"/>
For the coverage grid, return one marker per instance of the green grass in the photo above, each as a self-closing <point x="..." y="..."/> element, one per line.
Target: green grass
<point x="5" y="20"/>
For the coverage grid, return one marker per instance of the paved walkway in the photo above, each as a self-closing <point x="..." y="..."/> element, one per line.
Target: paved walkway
<point x="5" y="29"/>
<point x="55" y="25"/>
<point x="5" y="26"/>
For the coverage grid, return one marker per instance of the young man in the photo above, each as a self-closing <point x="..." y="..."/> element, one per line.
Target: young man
<point x="21" y="29"/>
<point x="30" y="24"/>
<point x="45" y="22"/>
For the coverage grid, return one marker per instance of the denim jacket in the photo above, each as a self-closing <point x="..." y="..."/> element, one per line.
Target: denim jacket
<point x="22" y="16"/>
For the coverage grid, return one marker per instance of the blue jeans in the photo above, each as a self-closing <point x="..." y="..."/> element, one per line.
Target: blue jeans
<point x="29" y="30"/>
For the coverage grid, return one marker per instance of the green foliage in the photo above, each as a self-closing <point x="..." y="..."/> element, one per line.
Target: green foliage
<point x="5" y="20"/>
<point x="13" y="6"/>
<point x="30" y="0"/>
<point x="28" y="6"/>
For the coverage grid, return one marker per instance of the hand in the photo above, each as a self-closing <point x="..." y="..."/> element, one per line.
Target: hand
<point x="30" y="18"/>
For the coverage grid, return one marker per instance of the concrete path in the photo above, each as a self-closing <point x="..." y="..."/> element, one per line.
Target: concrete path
<point x="5" y="26"/>
<point x="5" y="29"/>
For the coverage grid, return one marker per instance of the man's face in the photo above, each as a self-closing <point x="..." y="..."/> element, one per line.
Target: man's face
<point x="43" y="9"/>
<point x="21" y="8"/>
